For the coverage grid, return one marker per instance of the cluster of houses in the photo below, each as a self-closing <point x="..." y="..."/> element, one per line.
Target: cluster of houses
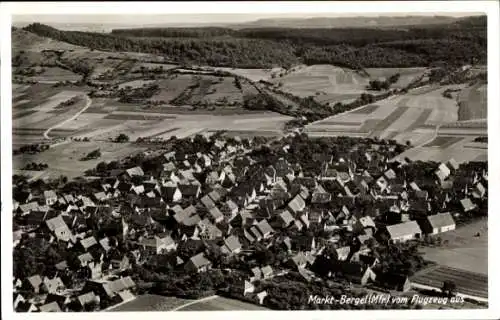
<point x="232" y="203"/>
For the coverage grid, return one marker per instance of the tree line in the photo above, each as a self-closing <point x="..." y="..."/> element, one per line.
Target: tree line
<point x="267" y="47"/>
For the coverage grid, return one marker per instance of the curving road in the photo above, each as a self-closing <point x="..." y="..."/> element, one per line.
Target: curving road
<point x="87" y="104"/>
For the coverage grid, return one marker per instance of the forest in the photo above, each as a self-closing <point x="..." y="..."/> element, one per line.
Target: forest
<point x="356" y="48"/>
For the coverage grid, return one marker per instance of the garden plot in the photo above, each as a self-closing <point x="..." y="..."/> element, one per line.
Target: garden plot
<point x="224" y="92"/>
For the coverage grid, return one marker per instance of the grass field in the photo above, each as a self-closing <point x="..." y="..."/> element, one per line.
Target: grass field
<point x="407" y="75"/>
<point x="473" y="102"/>
<point x="467" y="282"/>
<point x="151" y="302"/>
<point x="64" y="159"/>
<point x="464" y="250"/>
<point x="323" y="79"/>
<point x="443" y="142"/>
<point x="56" y="74"/>
<point x="223" y="304"/>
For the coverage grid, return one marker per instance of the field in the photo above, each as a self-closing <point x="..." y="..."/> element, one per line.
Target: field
<point x="472" y="102"/>
<point x="407" y="75"/>
<point x="222" y="304"/>
<point x="254" y="75"/>
<point x="64" y="159"/>
<point x="469" y="283"/>
<point x="325" y="82"/>
<point x="423" y="117"/>
<point x="463" y="250"/>
<point x="150" y="302"/>
<point x="56" y="74"/>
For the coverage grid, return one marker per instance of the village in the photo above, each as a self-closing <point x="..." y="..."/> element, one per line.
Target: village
<point x="235" y="216"/>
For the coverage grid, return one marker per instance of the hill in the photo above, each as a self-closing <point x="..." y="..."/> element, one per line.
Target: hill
<point x="346" y="22"/>
<point x="356" y="48"/>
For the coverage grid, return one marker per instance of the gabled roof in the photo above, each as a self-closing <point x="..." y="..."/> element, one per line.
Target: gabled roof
<point x="267" y="270"/>
<point x="35" y="281"/>
<point x="467" y="204"/>
<point x="49" y="194"/>
<point x="85" y="258"/>
<point x="199" y="260"/>
<point x="86" y="298"/>
<point x="28" y="206"/>
<point x="207" y="202"/>
<point x="61" y="266"/>
<point x="135" y="171"/>
<point x="297" y="204"/>
<point x="88" y="242"/>
<point x="215" y="213"/>
<point x="441" y="220"/>
<point x="50" y="307"/>
<point x="367" y="221"/>
<point x="403" y="229"/>
<point x="232" y="243"/>
<point x="287" y="217"/>
<point x="390" y="174"/>
<point x="264" y="227"/>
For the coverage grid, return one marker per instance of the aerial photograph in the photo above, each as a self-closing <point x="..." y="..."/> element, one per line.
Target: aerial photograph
<point x="249" y="162"/>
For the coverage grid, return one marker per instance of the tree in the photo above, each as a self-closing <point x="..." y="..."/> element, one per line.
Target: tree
<point x="449" y="288"/>
<point x="121" y="138"/>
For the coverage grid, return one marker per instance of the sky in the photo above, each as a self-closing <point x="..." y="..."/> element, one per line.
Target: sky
<point x="127" y="19"/>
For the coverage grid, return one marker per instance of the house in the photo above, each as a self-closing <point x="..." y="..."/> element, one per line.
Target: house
<point x="467" y="205"/>
<point x="230" y="209"/>
<point x="442" y="172"/>
<point x="135" y="172"/>
<point x="50" y="197"/>
<point x="267" y="272"/>
<point x="248" y="287"/>
<point x="61" y="266"/>
<point x="231" y="245"/>
<point x="105" y="245"/>
<point x="453" y="164"/>
<point x="405" y="231"/>
<point x="189" y="189"/>
<point x="215" y="215"/>
<point x="261" y="296"/>
<point x="33" y="283"/>
<point x="198" y="263"/>
<point x="438" y="223"/>
<point x="86" y="299"/>
<point x="298" y="261"/>
<point x="479" y="191"/>
<point x="171" y="192"/>
<point x="207" y="202"/>
<point x="120" y="263"/>
<point x="296" y="205"/>
<point x="53" y="285"/>
<point x="285" y="218"/>
<point x="208" y="231"/>
<point x="364" y="223"/>
<point x="215" y="196"/>
<point x="390" y="175"/>
<point x="18" y="298"/>
<point x="158" y="244"/>
<point x="50" y="307"/>
<point x="87" y="243"/>
<point x="264" y="229"/>
<point x="85" y="259"/>
<point x="357" y="273"/>
<point x="256" y="274"/>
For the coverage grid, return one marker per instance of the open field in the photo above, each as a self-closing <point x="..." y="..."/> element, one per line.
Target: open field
<point x="64" y="159"/>
<point x="463" y="250"/>
<point x="56" y="74"/>
<point x="222" y="304"/>
<point x="473" y="102"/>
<point x="151" y="302"/>
<point x="318" y="80"/>
<point x="253" y="74"/>
<point x="460" y="148"/>
<point x="407" y="75"/>
<point x="469" y="283"/>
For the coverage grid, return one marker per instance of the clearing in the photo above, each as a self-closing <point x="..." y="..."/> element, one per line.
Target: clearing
<point x="222" y="304"/>
<point x="473" y="102"/>
<point x="463" y="250"/>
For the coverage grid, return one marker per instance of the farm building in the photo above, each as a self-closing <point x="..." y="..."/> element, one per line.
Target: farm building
<point x="404" y="231"/>
<point x="438" y="223"/>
